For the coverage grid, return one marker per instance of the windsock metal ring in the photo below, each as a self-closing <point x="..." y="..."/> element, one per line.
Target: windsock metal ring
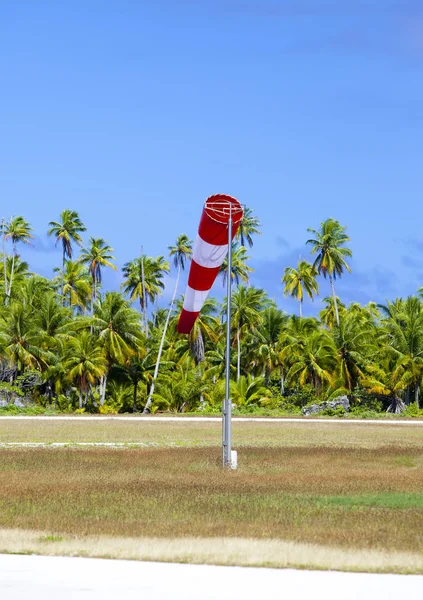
<point x="210" y="250"/>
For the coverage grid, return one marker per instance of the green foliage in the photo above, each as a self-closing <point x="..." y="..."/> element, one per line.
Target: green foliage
<point x="57" y="357"/>
<point x="302" y="396"/>
<point x="339" y="411"/>
<point x="412" y="411"/>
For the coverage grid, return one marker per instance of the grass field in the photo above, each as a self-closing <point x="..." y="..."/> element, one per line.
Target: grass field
<point x="322" y="495"/>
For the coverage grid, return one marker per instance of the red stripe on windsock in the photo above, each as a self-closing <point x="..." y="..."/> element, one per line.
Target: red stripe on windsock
<point x="213" y="227"/>
<point x="186" y="321"/>
<point x="201" y="278"/>
<point x="211" y="247"/>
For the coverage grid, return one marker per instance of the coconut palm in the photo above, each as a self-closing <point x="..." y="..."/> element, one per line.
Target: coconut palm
<point x="21" y="341"/>
<point x="355" y="345"/>
<point x="144" y="277"/>
<point x="266" y="343"/>
<point x="249" y="226"/>
<point x="329" y="246"/>
<point x="84" y="362"/>
<point x="388" y="379"/>
<point x="136" y="369"/>
<point x="246" y="307"/>
<point x="298" y="280"/>
<point x="402" y="332"/>
<point x="312" y="359"/>
<point x="75" y="284"/>
<point x="180" y="389"/>
<point x="206" y="329"/>
<point x="18" y="231"/>
<point x="66" y="231"/>
<point x="180" y="253"/>
<point x="248" y="390"/>
<point x="20" y="272"/>
<point x="97" y="256"/>
<point x="117" y="327"/>
<point x="328" y="314"/>
<point x="239" y="269"/>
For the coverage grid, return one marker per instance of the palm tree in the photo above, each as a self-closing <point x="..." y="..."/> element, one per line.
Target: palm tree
<point x="117" y="326"/>
<point x="355" y="345"/>
<point x="136" y="368"/>
<point x="246" y="307"/>
<point x="248" y="390"/>
<point x="267" y="345"/>
<point x="329" y="245"/>
<point x="180" y="253"/>
<point x="144" y="276"/>
<point x="96" y="257"/>
<point x="84" y="362"/>
<point x="300" y="279"/>
<point x="249" y="226"/>
<point x="66" y="231"/>
<point x="402" y="333"/>
<point x="206" y="328"/>
<point x="313" y="360"/>
<point x="17" y="230"/>
<point x="388" y="378"/>
<point x="328" y="314"/>
<point x="239" y="270"/>
<point x="21" y="340"/>
<point x="20" y="271"/>
<point x="75" y="283"/>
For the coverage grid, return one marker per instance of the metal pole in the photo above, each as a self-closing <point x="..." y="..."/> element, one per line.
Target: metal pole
<point x="227" y="406"/>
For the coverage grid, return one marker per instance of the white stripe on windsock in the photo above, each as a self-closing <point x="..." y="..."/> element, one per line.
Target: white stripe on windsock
<point x="208" y="255"/>
<point x="194" y="299"/>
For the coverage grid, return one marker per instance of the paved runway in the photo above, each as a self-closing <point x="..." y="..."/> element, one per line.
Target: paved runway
<point x="56" y="578"/>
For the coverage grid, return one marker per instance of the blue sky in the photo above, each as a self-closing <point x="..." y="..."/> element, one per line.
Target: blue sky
<point x="133" y="112"/>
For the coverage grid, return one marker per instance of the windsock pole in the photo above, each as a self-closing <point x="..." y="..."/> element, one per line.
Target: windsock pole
<point x="227" y="405"/>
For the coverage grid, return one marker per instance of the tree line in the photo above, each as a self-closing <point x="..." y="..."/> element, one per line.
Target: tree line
<point x="68" y="344"/>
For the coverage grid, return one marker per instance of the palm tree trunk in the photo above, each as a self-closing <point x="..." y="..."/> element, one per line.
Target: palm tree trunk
<point x="159" y="355"/>
<point x="416" y="394"/>
<point x="238" y="362"/>
<point x="396" y="406"/>
<point x="80" y="397"/>
<point x="11" y="275"/>
<point x="93" y="294"/>
<point x="282" y="381"/>
<point x="63" y="276"/>
<point x="103" y="384"/>
<point x="134" y="405"/>
<point x="3" y="242"/>
<point x="335" y="304"/>
<point x="144" y="299"/>
<point x="301" y="309"/>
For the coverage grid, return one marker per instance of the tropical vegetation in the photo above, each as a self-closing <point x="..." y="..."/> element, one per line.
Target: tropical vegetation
<point x="68" y="344"/>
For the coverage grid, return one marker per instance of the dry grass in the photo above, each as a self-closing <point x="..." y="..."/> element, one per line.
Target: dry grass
<point x="366" y="499"/>
<point x="226" y="551"/>
<point x="186" y="433"/>
<point x="322" y="495"/>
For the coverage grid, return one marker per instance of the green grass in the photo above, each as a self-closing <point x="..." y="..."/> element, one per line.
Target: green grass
<point x="344" y="488"/>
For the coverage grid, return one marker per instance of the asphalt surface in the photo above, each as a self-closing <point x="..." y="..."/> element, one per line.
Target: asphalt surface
<point x="64" y="578"/>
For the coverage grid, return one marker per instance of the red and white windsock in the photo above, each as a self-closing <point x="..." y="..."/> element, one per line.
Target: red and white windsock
<point x="210" y="249"/>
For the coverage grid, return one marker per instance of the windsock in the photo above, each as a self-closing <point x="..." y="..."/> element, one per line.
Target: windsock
<point x="210" y="249"/>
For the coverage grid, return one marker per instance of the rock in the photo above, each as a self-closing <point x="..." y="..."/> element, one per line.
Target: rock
<point x="314" y="409"/>
<point x="19" y="403"/>
<point x="3" y="403"/>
